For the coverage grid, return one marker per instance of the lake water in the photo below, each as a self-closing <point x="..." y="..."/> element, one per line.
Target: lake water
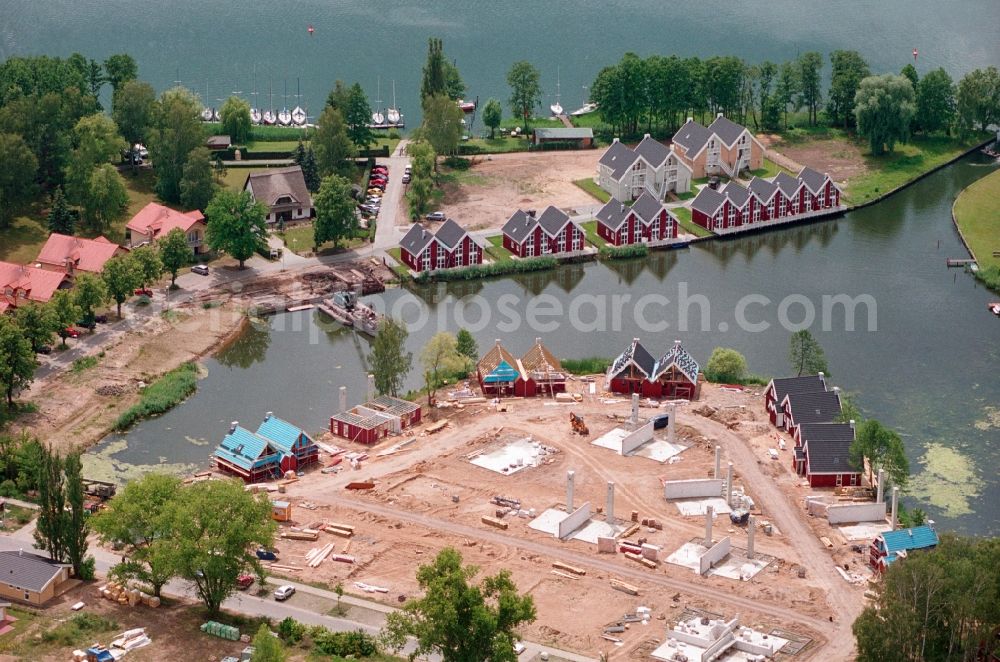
<point x="213" y="47"/>
<point x="929" y="368"/>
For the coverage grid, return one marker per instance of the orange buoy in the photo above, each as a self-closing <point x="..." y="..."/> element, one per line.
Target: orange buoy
<point x="311" y="30"/>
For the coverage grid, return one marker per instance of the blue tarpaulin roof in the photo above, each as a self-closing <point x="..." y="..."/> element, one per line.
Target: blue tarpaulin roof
<point x="504" y="372"/>
<point x="242" y="447"/>
<point x="918" y="537"/>
<point x="282" y="434"/>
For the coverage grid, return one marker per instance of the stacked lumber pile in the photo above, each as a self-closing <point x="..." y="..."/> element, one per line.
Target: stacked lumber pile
<point x="124" y="595"/>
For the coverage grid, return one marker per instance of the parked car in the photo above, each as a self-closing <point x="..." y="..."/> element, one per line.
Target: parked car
<point x="200" y="269"/>
<point x="519" y="647"/>
<point x="71" y="332"/>
<point x="406" y="178"/>
<point x="45" y="349"/>
<point x="243" y="582"/>
<point x="101" y="319"/>
<point x="282" y="593"/>
<point x="382" y="170"/>
<point x="143" y="292"/>
<point x="436" y="216"/>
<point x="266" y="554"/>
<point x="87" y="325"/>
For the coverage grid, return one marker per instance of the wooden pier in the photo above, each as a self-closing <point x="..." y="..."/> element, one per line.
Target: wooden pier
<point x="959" y="262"/>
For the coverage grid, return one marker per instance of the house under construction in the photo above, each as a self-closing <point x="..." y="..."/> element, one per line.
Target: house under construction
<point x="376" y="419"/>
<point x="538" y="372"/>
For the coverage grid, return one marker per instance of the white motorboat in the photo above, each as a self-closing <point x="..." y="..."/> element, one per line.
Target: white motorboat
<point x="585" y="109"/>
<point x="298" y="116"/>
<point x="557" y="108"/>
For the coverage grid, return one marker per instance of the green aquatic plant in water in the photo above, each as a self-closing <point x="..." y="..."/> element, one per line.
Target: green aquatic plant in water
<point x="102" y="465"/>
<point x="948" y="480"/>
<point x="991" y="419"/>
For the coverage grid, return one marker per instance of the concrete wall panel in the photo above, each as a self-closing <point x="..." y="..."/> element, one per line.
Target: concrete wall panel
<point x="716" y="553"/>
<point x="855" y="512"/>
<point x="574" y="521"/>
<point x="694" y="488"/>
<point x="637" y="438"/>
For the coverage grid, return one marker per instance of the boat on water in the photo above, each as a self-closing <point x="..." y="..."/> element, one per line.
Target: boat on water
<point x="557" y="108"/>
<point x="345" y="308"/>
<point x="255" y="112"/>
<point x="467" y="106"/>
<point x="392" y="114"/>
<point x="994" y="307"/>
<point x="207" y="114"/>
<point x="298" y="116"/>
<point x="378" y="117"/>
<point x="585" y="109"/>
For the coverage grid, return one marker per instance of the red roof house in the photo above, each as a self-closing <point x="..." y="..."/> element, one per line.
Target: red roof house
<point x="20" y="283"/>
<point x="155" y="221"/>
<point x="68" y="254"/>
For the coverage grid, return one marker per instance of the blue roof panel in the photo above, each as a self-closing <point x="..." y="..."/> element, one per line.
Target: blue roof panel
<point x="503" y="373"/>
<point x="282" y="434"/>
<point x="918" y="537"/>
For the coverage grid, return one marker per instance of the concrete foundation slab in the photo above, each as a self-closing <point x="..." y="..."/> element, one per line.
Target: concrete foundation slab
<point x="738" y="567"/>
<point x="548" y="521"/>
<point x="688" y="555"/>
<point x="574" y="521"/>
<point x="658" y="450"/>
<point x="592" y="530"/>
<point x="513" y="457"/>
<point x="864" y="532"/>
<point x="697" y="507"/>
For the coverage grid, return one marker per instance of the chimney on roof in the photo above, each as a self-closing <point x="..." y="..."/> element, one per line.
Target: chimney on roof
<point x="233" y="426"/>
<point x="852" y="423"/>
<point x="20" y="552"/>
<point x="614" y="141"/>
<point x="690" y="119"/>
<point x="268" y="415"/>
<point x="645" y="135"/>
<point x="538" y="341"/>
<point x="498" y="342"/>
<point x="622" y="210"/>
<point x="717" y="115"/>
<point x="836" y="389"/>
<point x="677" y="343"/>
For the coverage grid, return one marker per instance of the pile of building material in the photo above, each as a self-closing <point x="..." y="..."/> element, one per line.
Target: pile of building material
<point x="342" y="530"/>
<point x="370" y="588"/>
<point x="131" y="639"/>
<point x="221" y="630"/>
<point x="317" y="555"/>
<point x="124" y="595"/>
<point x="300" y="534"/>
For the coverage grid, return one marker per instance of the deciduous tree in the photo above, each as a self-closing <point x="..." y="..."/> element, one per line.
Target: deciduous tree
<point x="806" y="355"/>
<point x="433" y="81"/>
<point x="333" y="145"/>
<point x="787" y="92"/>
<point x="389" y="360"/>
<point x="726" y="366"/>
<point x="525" y="90"/>
<point x="97" y="143"/>
<point x="217" y="524"/>
<point x="336" y="215"/>
<point x="236" y="224"/>
<point x="810" y="67"/>
<point x="36" y="322"/>
<point x="65" y="313"/>
<point x="492" y="115"/>
<point x="174" y="253"/>
<point x="148" y="264"/>
<point x="76" y="524"/>
<point x="440" y="358"/>
<point x="978" y="100"/>
<point x="141" y="518"/>
<point x="267" y="647"/>
<point x="847" y="69"/>
<point x="461" y="621"/>
<point x="17" y="360"/>
<point x="133" y="107"/>
<point x="17" y="176"/>
<point x="89" y="293"/>
<point x="121" y="276"/>
<point x="884" y="107"/>
<point x="107" y="198"/>
<point x="235" y="116"/>
<point x="196" y="182"/>
<point x="120" y="68"/>
<point x="466" y="345"/>
<point x="883" y="448"/>
<point x="50" y="529"/>
<point x="175" y="132"/>
<point x="936" y="101"/>
<point x="442" y="124"/>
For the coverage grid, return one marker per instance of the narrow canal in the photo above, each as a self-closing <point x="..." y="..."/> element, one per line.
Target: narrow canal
<point x="923" y="355"/>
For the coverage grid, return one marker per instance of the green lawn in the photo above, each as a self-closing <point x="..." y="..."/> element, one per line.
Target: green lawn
<point x="274" y="145"/>
<point x="770" y="169"/>
<point x="401" y="269"/>
<point x="685" y="195"/>
<point x="590" y="186"/>
<point x="534" y="123"/>
<point x="299" y="240"/>
<point x="590" y="228"/>
<point x="976" y="212"/>
<point x="496" y="250"/>
<point x="683" y="215"/>
<point x="498" y="145"/>
<point x="908" y="162"/>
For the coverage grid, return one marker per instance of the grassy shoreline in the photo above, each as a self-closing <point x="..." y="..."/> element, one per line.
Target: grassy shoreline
<point x="162" y="395"/>
<point x="975" y="216"/>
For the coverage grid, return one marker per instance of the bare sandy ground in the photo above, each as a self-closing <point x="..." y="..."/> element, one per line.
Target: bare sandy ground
<point x="496" y="186"/>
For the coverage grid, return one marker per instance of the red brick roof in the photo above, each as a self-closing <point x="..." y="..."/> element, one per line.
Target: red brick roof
<point x="156" y="220"/>
<point x="25" y="282"/>
<point x="86" y="254"/>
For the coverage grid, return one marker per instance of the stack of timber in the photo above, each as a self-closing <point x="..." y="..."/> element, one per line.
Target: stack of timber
<point x="317" y="555"/>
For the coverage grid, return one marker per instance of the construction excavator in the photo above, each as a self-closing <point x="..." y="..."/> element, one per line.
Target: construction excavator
<point x="576" y="422"/>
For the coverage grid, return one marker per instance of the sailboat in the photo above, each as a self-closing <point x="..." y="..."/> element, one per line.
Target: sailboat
<point x="298" y="115"/>
<point x="207" y="114"/>
<point x="393" y="113"/>
<point x="557" y="108"/>
<point x="269" y="116"/>
<point x="285" y="117"/>
<point x="255" y="115"/>
<point x="378" y="118"/>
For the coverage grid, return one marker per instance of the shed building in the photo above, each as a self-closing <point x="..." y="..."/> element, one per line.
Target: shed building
<point x="582" y="138"/>
<point x="31" y="579"/>
<point x="375" y="420"/>
<point x="541" y="373"/>
<point x="893" y="545"/>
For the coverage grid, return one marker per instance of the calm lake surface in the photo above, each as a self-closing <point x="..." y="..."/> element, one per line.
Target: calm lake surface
<point x="213" y="47"/>
<point x="929" y="369"/>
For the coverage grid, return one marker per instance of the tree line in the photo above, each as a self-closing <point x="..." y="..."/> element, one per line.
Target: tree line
<point x="658" y="93"/>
